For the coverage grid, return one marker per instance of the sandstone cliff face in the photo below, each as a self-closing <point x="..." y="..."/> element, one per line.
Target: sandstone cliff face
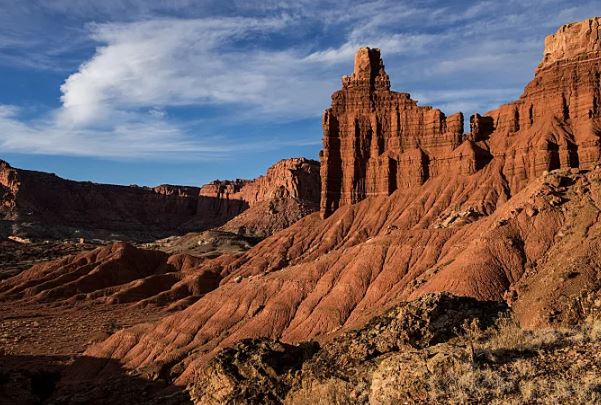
<point x="287" y="192"/>
<point x="556" y="123"/>
<point x="573" y="40"/>
<point x="45" y="205"/>
<point x="9" y="185"/>
<point x="377" y="140"/>
<point x="288" y="178"/>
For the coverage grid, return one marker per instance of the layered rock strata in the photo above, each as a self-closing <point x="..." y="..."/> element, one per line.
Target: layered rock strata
<point x="377" y="140"/>
<point x="288" y="178"/>
<point x="287" y="192"/>
<point x="495" y="234"/>
<point x="556" y="123"/>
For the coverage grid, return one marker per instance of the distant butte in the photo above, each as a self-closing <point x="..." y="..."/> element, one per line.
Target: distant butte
<point x="43" y="205"/>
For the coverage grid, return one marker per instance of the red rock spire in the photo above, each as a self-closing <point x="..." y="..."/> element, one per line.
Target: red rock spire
<point x="377" y="140"/>
<point x="368" y="72"/>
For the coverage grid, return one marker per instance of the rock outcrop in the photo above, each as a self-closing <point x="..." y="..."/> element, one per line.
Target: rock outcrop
<point x="437" y="349"/>
<point x="287" y="192"/>
<point x="252" y="371"/>
<point x="263" y="371"/>
<point x="575" y="40"/>
<point x="289" y="178"/>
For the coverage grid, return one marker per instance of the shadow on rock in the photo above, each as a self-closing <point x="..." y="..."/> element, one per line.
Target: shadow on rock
<point x="39" y="380"/>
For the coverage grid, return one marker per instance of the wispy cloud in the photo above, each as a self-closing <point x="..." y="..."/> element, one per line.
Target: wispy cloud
<point x="257" y="61"/>
<point x="136" y="139"/>
<point x="114" y="105"/>
<point x="165" y="62"/>
<point x="467" y="101"/>
<point x="391" y="44"/>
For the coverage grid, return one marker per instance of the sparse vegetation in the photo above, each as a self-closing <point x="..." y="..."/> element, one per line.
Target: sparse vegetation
<point x="506" y="364"/>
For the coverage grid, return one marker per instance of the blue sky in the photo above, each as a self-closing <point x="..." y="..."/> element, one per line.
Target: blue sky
<point x="182" y="91"/>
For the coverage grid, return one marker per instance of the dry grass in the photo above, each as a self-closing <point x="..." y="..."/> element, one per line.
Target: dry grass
<point x="508" y="365"/>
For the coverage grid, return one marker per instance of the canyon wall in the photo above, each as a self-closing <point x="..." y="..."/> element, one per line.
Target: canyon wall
<point x="44" y="205"/>
<point x="287" y="192"/>
<point x="557" y="121"/>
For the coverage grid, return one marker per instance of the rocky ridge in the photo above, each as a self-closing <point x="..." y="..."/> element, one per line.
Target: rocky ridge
<point x="287" y="192"/>
<point x="45" y="206"/>
<point x="288" y="178"/>
<point x="436" y="349"/>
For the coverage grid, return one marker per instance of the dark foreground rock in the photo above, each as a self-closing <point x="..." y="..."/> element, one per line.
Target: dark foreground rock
<point x="252" y="371"/>
<point x="265" y="371"/>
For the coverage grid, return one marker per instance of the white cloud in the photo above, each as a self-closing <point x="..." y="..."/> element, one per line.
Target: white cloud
<point x="135" y="139"/>
<point x="159" y="62"/>
<point x="467" y="94"/>
<point x="390" y="44"/>
<point x="178" y="62"/>
<point x="118" y="101"/>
